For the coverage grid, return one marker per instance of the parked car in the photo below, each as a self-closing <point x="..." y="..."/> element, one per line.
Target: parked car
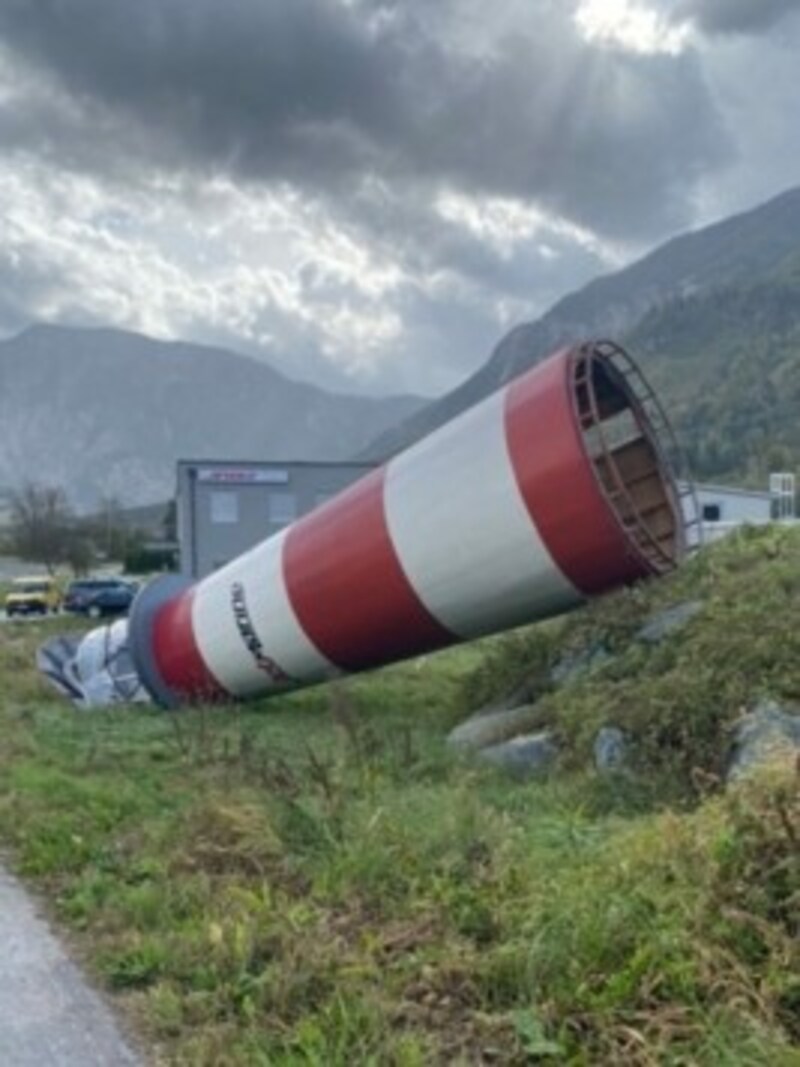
<point x="100" y="596"/>
<point x="33" y="596"/>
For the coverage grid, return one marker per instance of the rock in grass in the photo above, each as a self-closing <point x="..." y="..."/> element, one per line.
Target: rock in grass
<point x="574" y="665"/>
<point x="523" y="757"/>
<point x="766" y="734"/>
<point x="490" y="727"/>
<point x="665" y="623"/>
<point x="610" y="749"/>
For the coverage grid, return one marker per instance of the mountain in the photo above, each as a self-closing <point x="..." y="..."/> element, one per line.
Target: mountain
<point x="107" y="413"/>
<point x="712" y="316"/>
<point x="727" y="361"/>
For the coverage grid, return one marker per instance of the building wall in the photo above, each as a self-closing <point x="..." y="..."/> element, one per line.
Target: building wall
<point x="223" y="508"/>
<point x="723" y="509"/>
<point x="727" y="505"/>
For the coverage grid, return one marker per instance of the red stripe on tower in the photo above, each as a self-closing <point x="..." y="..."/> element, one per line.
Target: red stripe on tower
<point x="558" y="482"/>
<point x="181" y="667"/>
<point x="347" y="587"/>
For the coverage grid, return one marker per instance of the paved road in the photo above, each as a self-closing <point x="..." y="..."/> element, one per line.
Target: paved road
<point x="29" y="618"/>
<point x="49" y="1017"/>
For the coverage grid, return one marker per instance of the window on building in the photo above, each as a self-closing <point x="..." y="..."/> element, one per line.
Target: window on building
<point x="712" y="512"/>
<point x="322" y="498"/>
<point x="224" y="507"/>
<point x="282" y="508"/>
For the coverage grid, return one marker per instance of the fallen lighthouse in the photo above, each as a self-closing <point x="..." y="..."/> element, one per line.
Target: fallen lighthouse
<point x="559" y="487"/>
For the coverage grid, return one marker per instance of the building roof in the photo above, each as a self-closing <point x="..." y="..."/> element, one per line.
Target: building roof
<point x="731" y="490"/>
<point x="274" y="463"/>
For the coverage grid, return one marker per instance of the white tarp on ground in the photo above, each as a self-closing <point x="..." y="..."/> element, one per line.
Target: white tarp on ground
<point x="94" y="671"/>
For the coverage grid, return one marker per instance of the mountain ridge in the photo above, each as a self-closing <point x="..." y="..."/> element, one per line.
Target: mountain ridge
<point x="105" y="412"/>
<point x="727" y="253"/>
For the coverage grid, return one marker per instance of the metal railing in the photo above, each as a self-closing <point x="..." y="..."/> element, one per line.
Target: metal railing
<point x="654" y="428"/>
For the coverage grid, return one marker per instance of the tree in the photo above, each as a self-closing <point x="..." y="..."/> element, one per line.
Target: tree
<point x="108" y="531"/>
<point x="79" y="553"/>
<point x="43" y="528"/>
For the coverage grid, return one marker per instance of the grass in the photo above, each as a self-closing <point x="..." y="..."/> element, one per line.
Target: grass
<point x="316" y="881"/>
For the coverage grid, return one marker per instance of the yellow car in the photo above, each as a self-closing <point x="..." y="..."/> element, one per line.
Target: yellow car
<point x="33" y="596"/>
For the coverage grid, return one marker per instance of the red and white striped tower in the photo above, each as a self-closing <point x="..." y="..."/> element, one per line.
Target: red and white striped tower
<point x="510" y="513"/>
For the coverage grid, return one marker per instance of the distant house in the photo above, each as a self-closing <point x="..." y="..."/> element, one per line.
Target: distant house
<point x="724" y="508"/>
<point x="723" y="503"/>
<point x="226" y="507"/>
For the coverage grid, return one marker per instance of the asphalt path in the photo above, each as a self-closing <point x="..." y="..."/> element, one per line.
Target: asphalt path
<point x="28" y="618"/>
<point x="49" y="1016"/>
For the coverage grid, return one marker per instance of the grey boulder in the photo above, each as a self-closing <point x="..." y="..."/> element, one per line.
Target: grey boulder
<point x="610" y="749"/>
<point x="666" y="623"/>
<point x="523" y="757"/>
<point x="490" y="727"/>
<point x="574" y="665"/>
<point x="765" y="734"/>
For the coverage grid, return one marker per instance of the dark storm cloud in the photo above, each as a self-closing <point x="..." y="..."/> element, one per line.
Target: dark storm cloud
<point x="735" y="16"/>
<point x="253" y="86"/>
<point x="408" y="228"/>
<point x="321" y="94"/>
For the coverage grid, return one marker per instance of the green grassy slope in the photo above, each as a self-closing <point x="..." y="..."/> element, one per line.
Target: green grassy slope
<point x="317" y="881"/>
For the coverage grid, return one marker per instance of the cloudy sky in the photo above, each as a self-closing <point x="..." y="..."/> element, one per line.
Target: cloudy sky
<point x="368" y="193"/>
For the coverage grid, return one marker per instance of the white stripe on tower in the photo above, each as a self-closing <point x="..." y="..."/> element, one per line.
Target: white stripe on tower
<point x="246" y="629"/>
<point x="462" y="531"/>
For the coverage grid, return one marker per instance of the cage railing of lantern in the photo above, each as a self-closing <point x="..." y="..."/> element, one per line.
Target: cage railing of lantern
<point x="631" y="442"/>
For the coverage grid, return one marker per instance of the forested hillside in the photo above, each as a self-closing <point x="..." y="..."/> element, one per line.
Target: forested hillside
<point x="727" y="363"/>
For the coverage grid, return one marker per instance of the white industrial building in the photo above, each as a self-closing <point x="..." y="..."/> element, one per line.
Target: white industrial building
<point x="724" y="508"/>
